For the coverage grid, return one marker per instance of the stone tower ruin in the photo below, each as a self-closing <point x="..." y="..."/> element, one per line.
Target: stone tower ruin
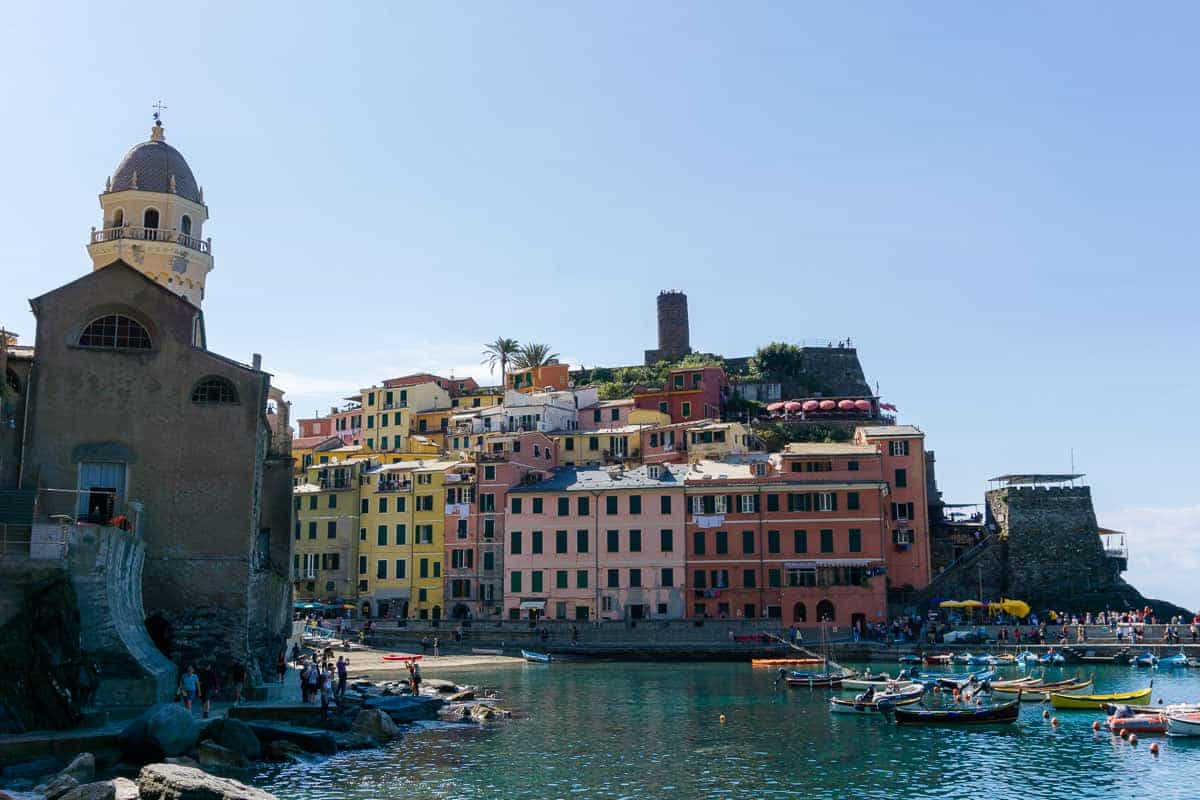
<point x="673" y="332"/>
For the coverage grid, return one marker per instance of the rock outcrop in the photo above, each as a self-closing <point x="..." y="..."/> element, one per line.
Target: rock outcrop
<point x="376" y="724"/>
<point x="172" y="782"/>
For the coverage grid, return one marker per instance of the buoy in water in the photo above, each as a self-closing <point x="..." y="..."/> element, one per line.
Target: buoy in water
<point x="1124" y="733"/>
<point x="1133" y="738"/>
<point x="1054" y="721"/>
<point x="1154" y="749"/>
<point x="1045" y="713"/>
<point x="1096" y="725"/>
<point x="722" y="719"/>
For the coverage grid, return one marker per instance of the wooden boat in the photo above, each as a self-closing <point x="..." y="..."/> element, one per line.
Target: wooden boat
<point x="1183" y="724"/>
<point x="1051" y="657"/>
<point x="536" y="658"/>
<point x="1146" y="659"/>
<point x="910" y="659"/>
<point x="1137" y="723"/>
<point x="1039" y="684"/>
<point x="938" y="658"/>
<point x="1169" y="709"/>
<point x="487" y="651"/>
<point x="1172" y="661"/>
<point x="867" y="680"/>
<point x="1037" y="694"/>
<point x="813" y="680"/>
<point x="1029" y="681"/>
<point x="1096" y="701"/>
<point x="876" y="703"/>
<point x="1002" y="713"/>
<point x="1027" y="658"/>
<point x="402" y="656"/>
<point x="785" y="662"/>
<point x="960" y="681"/>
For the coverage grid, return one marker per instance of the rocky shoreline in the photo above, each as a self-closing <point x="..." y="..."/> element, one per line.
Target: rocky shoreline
<point x="185" y="758"/>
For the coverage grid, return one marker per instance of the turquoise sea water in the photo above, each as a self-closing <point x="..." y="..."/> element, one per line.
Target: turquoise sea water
<point x="652" y="731"/>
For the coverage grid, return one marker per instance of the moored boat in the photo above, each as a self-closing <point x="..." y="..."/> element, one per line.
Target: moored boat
<point x="1183" y="724"/>
<point x="1172" y="661"/>
<point x="812" y="680"/>
<point x="1097" y="701"/>
<point x="961" y="681"/>
<point x="536" y="658"/>
<point x="1146" y="659"/>
<point x="1051" y="657"/>
<point x="1002" y="713"/>
<point x="1126" y="720"/>
<point x="1039" y="694"/>
<point x="487" y="651"/>
<point x="910" y="659"/>
<point x="786" y="662"/>
<point x="962" y="658"/>
<point x="402" y="656"/>
<point x="936" y="658"/>
<point x="1169" y="709"/>
<point x="873" y="703"/>
<point x="1027" y="658"/>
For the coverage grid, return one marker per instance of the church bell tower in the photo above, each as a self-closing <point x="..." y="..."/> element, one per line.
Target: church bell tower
<point x="154" y="217"/>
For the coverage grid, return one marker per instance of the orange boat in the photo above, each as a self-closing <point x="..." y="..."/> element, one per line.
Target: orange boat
<point x="402" y="657"/>
<point x="785" y="662"/>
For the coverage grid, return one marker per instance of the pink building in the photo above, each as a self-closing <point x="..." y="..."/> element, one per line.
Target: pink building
<point x="597" y="542"/>
<point x="690" y="393"/>
<point x="902" y="450"/>
<point x="606" y="414"/>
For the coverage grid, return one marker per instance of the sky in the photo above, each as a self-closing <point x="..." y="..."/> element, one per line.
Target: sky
<point x="994" y="202"/>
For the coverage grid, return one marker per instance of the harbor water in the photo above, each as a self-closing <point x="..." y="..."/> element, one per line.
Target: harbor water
<point x="633" y="730"/>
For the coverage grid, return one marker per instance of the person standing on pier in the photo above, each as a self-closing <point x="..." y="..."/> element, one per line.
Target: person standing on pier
<point x="343" y="674"/>
<point x="189" y="686"/>
<point x="210" y="686"/>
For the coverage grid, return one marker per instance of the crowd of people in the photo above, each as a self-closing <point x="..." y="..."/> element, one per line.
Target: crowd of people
<point x="204" y="686"/>
<point x="321" y="677"/>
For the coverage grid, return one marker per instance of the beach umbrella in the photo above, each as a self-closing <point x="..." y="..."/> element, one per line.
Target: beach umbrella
<point x="793" y="406"/>
<point x="811" y="405"/>
<point x="774" y="406"/>
<point x="862" y="405"/>
<point x="845" y="405"/>
<point x="828" y="405"/>
<point x="1018" y="608"/>
<point x="950" y="604"/>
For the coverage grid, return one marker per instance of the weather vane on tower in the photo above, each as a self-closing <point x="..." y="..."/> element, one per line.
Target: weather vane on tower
<point x="159" y="107"/>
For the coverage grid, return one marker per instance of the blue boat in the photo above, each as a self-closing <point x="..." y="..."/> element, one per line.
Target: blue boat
<point x="910" y="659"/>
<point x="536" y="658"/>
<point x="961" y="681"/>
<point x="1172" y="661"/>
<point x="1027" y="658"/>
<point x="1052" y="658"/>
<point x="1146" y="659"/>
<point x="982" y="659"/>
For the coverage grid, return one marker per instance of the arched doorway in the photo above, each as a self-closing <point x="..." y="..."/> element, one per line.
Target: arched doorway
<point x="825" y="611"/>
<point x="460" y="611"/>
<point x="150" y="218"/>
<point x="799" y="613"/>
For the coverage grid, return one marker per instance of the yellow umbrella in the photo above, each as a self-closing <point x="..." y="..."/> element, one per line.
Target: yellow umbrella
<point x="1018" y="608"/>
<point x="972" y="604"/>
<point x="950" y="604"/>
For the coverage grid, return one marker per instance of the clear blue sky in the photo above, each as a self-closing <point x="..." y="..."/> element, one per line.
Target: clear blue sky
<point x="996" y="203"/>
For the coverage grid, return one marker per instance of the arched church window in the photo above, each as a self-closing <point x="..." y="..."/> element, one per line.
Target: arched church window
<point x="118" y="218"/>
<point x="185" y="225"/>
<point x="115" y="332"/>
<point x="150" y="218"/>
<point x="214" y="390"/>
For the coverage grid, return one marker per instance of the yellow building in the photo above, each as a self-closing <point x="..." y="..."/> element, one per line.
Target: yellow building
<point x="305" y="450"/>
<point x="715" y="441"/>
<point x="388" y="410"/>
<point x="326" y="532"/>
<point x="432" y="426"/>
<point x="401" y="539"/>
<point x="598" y="447"/>
<point x="480" y="398"/>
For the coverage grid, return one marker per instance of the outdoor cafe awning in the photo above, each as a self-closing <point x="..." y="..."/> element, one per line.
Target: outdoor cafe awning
<point x="536" y="605"/>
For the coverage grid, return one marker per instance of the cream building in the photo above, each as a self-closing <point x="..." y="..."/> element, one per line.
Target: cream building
<point x="154" y="217"/>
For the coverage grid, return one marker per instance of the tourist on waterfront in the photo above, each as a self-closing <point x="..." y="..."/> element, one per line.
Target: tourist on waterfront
<point x="210" y="685"/>
<point x="237" y="676"/>
<point x="343" y="674"/>
<point x="435" y="646"/>
<point x="1193" y="630"/>
<point x="312" y="681"/>
<point x="424" y="644"/>
<point x="189" y="686"/>
<point x="326" y="689"/>
<point x="414" y="677"/>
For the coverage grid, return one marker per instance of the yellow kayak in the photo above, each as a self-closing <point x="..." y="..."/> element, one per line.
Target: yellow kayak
<point x="1040" y="694"/>
<point x="1141" y="696"/>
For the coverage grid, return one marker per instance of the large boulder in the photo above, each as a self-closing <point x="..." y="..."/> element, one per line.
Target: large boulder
<point x="406" y="708"/>
<point x="100" y="790"/>
<point x="173" y="782"/>
<point x="125" y="789"/>
<point x="376" y="724"/>
<point x="236" y="735"/>
<point x="57" y="787"/>
<point x="309" y="739"/>
<point x="173" y="729"/>
<point x="82" y="768"/>
<point x="212" y="754"/>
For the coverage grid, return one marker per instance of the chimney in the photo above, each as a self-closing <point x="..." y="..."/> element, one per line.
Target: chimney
<point x="256" y="362"/>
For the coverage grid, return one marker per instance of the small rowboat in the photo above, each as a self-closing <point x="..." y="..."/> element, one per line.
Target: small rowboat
<point x="813" y="680"/>
<point x="942" y="658"/>
<point x="536" y="658"/>
<point x="1183" y="724"/>
<point x="402" y="657"/>
<point x="1050" y="657"/>
<point x="487" y="651"/>
<point x="1027" y="658"/>
<point x="876" y="704"/>
<point x="867" y="680"/>
<point x="1028" y="682"/>
<point x="910" y="659"/>
<point x="1137" y="723"/>
<point x="981" y="715"/>
<point x="1172" y="661"/>
<point x="962" y="681"/>
<point x="785" y="662"/>
<point x="1038" y="694"/>
<point x="1145" y="660"/>
<point x="1095" y="701"/>
<point x="962" y="658"/>
<point x="1172" y="709"/>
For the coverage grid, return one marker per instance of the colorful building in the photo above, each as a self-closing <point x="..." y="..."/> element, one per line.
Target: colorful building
<point x="306" y="448"/>
<point x="344" y="423"/>
<point x="689" y="394"/>
<point x="547" y="377"/>
<point x="599" y="446"/>
<point x="902" y="450"/>
<point x="606" y="414"/>
<point x="597" y="543"/>
<point x="325" y="535"/>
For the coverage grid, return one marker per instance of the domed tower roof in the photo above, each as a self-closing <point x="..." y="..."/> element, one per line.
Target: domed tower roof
<point x="149" y="167"/>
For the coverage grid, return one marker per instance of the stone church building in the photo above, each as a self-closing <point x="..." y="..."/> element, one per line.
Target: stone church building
<point x="126" y="412"/>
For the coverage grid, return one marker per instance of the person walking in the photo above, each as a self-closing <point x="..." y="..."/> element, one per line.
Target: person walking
<point x="237" y="676"/>
<point x="296" y="653"/>
<point x="210" y="687"/>
<point x="189" y="686"/>
<point x="343" y="674"/>
<point x="326" y="689"/>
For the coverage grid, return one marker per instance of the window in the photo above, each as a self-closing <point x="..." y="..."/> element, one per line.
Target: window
<point x="362" y="534"/>
<point x="667" y="576"/>
<point x="381" y="569"/>
<point x="748" y="503"/>
<point x="312" y="530"/>
<point x="773" y="542"/>
<point x="424" y="502"/>
<point x="332" y="501"/>
<point x="635" y="541"/>
<point x="722" y="543"/>
<point x="686" y="410"/>
<point x="901" y="478"/>
<point x="699" y="579"/>
<point x="423" y="567"/>
<point x="383" y="505"/>
<point x="582" y="506"/>
<point x="364" y="506"/>
<point x="312" y="501"/>
<point x="560" y="579"/>
<point x="489" y="528"/>
<point x="593" y="443"/>
<point x="115" y="332"/>
<point x="516" y="504"/>
<point x="663" y="408"/>
<point x="381" y="536"/>
<point x="362" y="565"/>
<point x="774" y="578"/>
<point x="855" y="540"/>
<point x="581" y="579"/>
<point x="635" y="578"/>
<point x="569" y="443"/>
<point x="613" y="546"/>
<point x="749" y="578"/>
<point x="150" y="218"/>
<point x="721" y="504"/>
<point x="424" y="534"/>
<point x="679" y="381"/>
<point x="664" y="504"/>
<point x="800" y="541"/>
<point x="514" y="543"/>
<point x="635" y="504"/>
<point x="535" y="542"/>
<point x="747" y="543"/>
<point x="614" y="579"/>
<point x="331" y="530"/>
<point x="614" y="414"/>
<point x="537" y="505"/>
<point x="581" y="541"/>
<point x="902" y="511"/>
<point x="852" y="502"/>
<point x="596" y="415"/>
<point x="772" y="502"/>
<point x="401" y="534"/>
<point x="852" y="466"/>
<point x="826" y="541"/>
<point x="698" y="543"/>
<point x="560" y="541"/>
<point x="666" y="540"/>
<point x="214" y="391"/>
<point x="898" y="448"/>
<point x="514" y="581"/>
<point x="297" y="530"/>
<point x="489" y="473"/>
<point x="401" y="569"/>
<point x="610" y="504"/>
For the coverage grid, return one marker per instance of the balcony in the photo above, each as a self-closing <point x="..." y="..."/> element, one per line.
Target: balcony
<point x="336" y="484"/>
<point x="394" y="486"/>
<point x="167" y="235"/>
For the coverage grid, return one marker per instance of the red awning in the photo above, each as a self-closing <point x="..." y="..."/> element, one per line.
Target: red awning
<point x="862" y="405"/>
<point x="811" y="405"/>
<point x="774" y="406"/>
<point x="792" y="405"/>
<point x="828" y="405"/>
<point x="846" y="405"/>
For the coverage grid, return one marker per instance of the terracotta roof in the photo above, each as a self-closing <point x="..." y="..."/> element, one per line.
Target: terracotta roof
<point x="415" y="380"/>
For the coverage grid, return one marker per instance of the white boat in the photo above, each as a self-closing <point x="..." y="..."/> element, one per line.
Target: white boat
<point x="487" y="651"/>
<point x="875" y="703"/>
<point x="1183" y="724"/>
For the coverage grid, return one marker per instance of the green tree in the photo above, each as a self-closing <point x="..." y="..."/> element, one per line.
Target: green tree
<point x="533" y="355"/>
<point x="500" y="352"/>
<point x="778" y="360"/>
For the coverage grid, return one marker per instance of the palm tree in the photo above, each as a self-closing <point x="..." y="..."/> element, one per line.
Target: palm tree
<point x="533" y="355"/>
<point x="502" y="352"/>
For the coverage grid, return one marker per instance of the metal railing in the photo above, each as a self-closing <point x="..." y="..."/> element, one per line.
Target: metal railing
<point x="169" y="235"/>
